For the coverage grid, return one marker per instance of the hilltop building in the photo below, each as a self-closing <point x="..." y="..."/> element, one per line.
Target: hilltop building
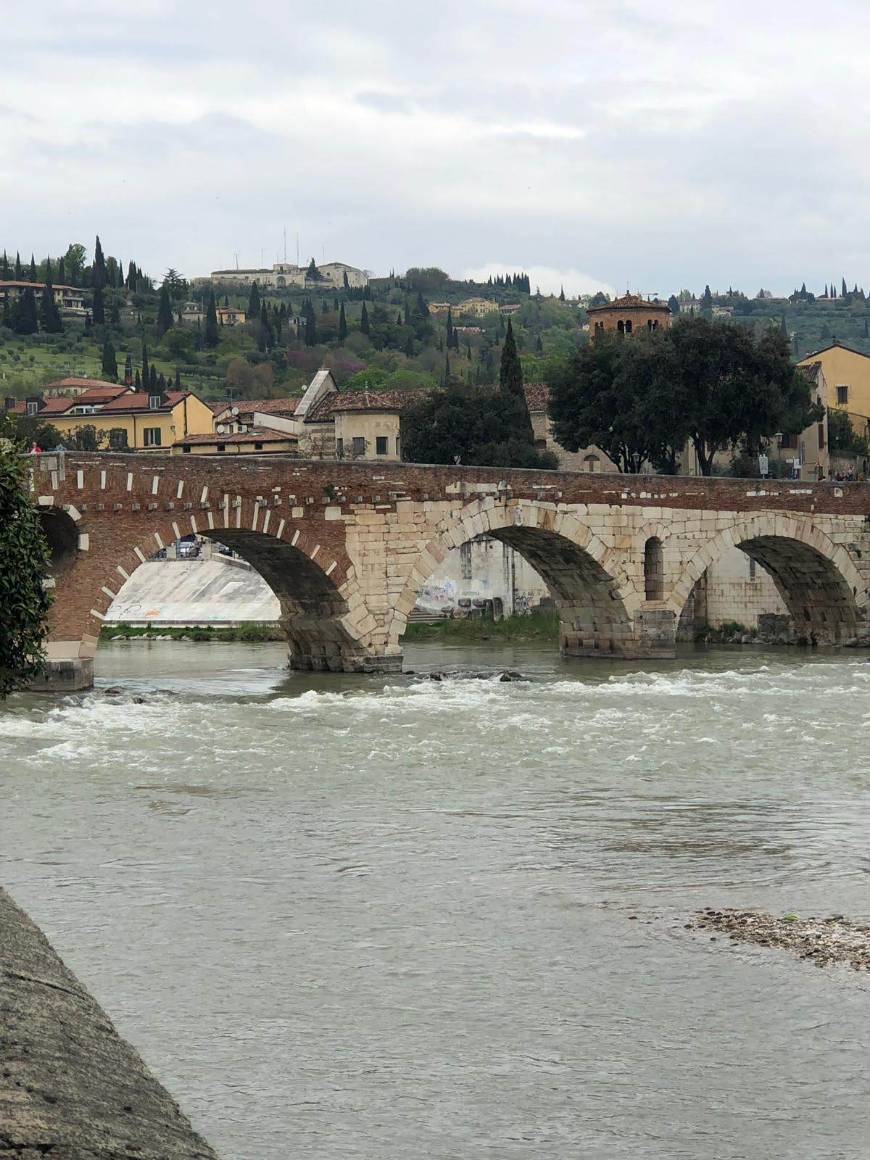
<point x="330" y="276"/>
<point x="629" y="314"/>
<point x="70" y="300"/>
<point x="847" y="374"/>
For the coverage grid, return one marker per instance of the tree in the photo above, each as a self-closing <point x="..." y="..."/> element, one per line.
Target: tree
<point x="342" y="322"/>
<point x="49" y="315"/>
<point x="98" y="269"/>
<point x="310" y="325"/>
<point x="364" y="321"/>
<point x="674" y="304"/>
<point x="510" y="381"/>
<point x="146" y="370"/>
<point x="84" y="438"/>
<point x="707" y="303"/>
<point x="842" y="436"/>
<point x="24" y="317"/>
<point x="253" y="312"/>
<point x="98" y="309"/>
<point x="32" y="272"/>
<point x="74" y="263"/>
<point x="212" y="333"/>
<point x="128" y="370"/>
<point x="24" y="562"/>
<point x="479" y="427"/>
<point x="109" y="361"/>
<point x="165" y="317"/>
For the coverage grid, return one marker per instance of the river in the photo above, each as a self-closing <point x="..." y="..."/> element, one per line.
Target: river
<point x="385" y="918"/>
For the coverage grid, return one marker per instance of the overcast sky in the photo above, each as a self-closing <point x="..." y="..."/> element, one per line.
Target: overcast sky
<point x="593" y="142"/>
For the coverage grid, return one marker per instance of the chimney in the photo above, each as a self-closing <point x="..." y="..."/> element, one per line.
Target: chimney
<point x="9" y="402"/>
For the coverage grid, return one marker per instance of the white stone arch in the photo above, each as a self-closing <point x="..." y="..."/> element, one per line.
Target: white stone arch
<point x="542" y="529"/>
<point x="818" y="580"/>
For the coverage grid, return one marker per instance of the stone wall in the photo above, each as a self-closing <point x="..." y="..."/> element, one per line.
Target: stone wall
<point x="70" y="1087"/>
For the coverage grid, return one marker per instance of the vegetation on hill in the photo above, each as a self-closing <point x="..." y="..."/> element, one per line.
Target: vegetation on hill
<point x="713" y="384"/>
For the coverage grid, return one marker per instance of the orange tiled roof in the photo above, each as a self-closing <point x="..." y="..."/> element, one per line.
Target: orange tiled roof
<point x="363" y="401"/>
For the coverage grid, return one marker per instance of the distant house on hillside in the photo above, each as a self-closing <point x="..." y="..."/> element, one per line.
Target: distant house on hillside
<point x="69" y="299"/>
<point x="329" y="276"/>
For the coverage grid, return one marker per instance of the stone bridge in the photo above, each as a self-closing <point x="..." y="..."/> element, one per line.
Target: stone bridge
<point x="346" y="547"/>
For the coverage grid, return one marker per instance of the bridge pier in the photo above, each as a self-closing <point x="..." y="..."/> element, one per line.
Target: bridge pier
<point x="69" y="667"/>
<point x="651" y="634"/>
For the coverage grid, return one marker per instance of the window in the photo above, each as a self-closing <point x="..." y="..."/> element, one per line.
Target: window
<point x="258" y="446"/>
<point x="359" y="446"/>
<point x="842" y="396"/>
<point x="221" y="446"/>
<point x="753" y="569"/>
<point x="398" y="445"/>
<point x="153" y="402"/>
<point x="591" y="463"/>
<point x="653" y="569"/>
<point x="465" y="568"/>
<point x="381" y="445"/>
<point x="821" y="436"/>
<point x="787" y="441"/>
<point x="339" y="449"/>
<point x="32" y="406"/>
<point x="185" y="448"/>
<point x="152" y="436"/>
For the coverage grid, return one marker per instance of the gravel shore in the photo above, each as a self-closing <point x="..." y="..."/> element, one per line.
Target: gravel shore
<point x="824" y="941"/>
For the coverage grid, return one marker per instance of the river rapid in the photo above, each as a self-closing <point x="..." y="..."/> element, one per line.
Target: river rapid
<point x="383" y="918"/>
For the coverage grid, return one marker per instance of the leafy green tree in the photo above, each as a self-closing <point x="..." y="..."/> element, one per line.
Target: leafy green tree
<point x="74" y="263"/>
<point x="165" y="317"/>
<point x="674" y="305"/>
<point x="211" y="334"/>
<point x="842" y="436"/>
<point x="469" y="425"/>
<point x="707" y="303"/>
<point x="109" y="361"/>
<point x="84" y="438"/>
<point x="24" y="562"/>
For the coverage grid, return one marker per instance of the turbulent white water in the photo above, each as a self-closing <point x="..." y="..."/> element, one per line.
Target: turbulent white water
<point x="387" y="918"/>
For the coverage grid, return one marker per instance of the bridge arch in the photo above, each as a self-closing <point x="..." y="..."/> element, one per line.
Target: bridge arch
<point x="816" y="578"/>
<point x="322" y="610"/>
<point x="594" y="598"/>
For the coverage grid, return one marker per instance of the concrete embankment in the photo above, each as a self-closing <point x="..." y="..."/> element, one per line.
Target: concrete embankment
<point x="215" y="591"/>
<point x="70" y="1087"/>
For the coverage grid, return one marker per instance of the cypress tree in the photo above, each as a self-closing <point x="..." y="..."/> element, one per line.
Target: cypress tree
<point x="32" y="275"/>
<point x="510" y="378"/>
<point x="98" y="270"/>
<point x="137" y="382"/>
<point x="109" y="362"/>
<point x="211" y="323"/>
<point x="364" y="321"/>
<point x="345" y="282"/>
<point x="310" y="326"/>
<point x="342" y="322"/>
<point x="4" y="268"/>
<point x="49" y="315"/>
<point x="18" y="277"/>
<point x="146" y="374"/>
<point x="61" y="271"/>
<point x="165" y="319"/>
<point x="177" y="379"/>
<point x="98" y="309"/>
<point x="844" y="290"/>
<point x="25" y="319"/>
<point x="267" y="339"/>
<point x="114" y="311"/>
<point x="561" y="293"/>
<point x="152" y="379"/>
<point x="253" y="311"/>
<point x="128" y="370"/>
<point x="449" y="327"/>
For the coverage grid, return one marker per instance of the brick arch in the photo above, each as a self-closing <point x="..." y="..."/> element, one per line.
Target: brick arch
<point x="322" y="608"/>
<point x="591" y="593"/>
<point x="817" y="579"/>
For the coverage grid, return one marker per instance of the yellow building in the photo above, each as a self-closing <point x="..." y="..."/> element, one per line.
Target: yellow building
<point x="125" y="419"/>
<point x="847" y="375"/>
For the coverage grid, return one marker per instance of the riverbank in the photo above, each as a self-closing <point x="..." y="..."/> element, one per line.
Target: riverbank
<point x="249" y="633"/>
<point x="537" y="626"/>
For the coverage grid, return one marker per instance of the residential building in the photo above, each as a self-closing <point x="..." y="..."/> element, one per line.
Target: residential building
<point x="252" y="441"/>
<point x="231" y="316"/>
<point x="591" y="459"/>
<point x="357" y="425"/>
<point x="74" y="386"/>
<point x="847" y="375"/>
<point x="70" y="300"/>
<point x="477" y="307"/>
<point x="123" y="418"/>
<point x="629" y="314"/>
<point x="192" y="313"/>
